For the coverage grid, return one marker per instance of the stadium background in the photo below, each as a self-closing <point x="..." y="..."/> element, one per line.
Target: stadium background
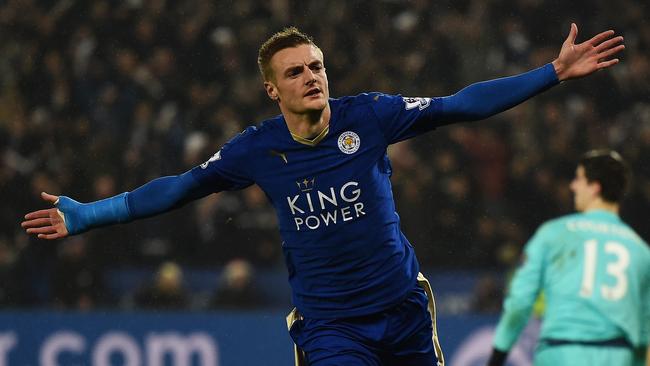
<point x="98" y="97"/>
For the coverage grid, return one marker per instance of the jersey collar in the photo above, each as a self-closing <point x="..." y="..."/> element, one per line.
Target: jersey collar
<point x="314" y="141"/>
<point x="602" y="213"/>
<point x="318" y="138"/>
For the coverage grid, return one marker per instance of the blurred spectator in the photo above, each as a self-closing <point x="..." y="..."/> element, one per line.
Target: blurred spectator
<point x="167" y="292"/>
<point x="12" y="288"/>
<point x="487" y="295"/>
<point x="76" y="282"/>
<point x="237" y="290"/>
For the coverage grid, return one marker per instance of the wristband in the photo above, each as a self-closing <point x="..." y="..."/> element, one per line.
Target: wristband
<point x="79" y="217"/>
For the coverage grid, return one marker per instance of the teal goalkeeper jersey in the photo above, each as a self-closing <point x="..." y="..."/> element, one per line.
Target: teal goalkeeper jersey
<point x="595" y="274"/>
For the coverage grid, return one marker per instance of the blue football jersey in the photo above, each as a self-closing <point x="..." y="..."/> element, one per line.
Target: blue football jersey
<point x="342" y="242"/>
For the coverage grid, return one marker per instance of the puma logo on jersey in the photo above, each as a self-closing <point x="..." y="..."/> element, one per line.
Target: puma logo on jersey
<point x="279" y="154"/>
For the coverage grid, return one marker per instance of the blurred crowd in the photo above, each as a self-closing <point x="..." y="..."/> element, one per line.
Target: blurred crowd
<point x="98" y="97"/>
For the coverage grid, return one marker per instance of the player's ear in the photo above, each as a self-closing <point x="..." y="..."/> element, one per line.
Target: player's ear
<point x="596" y="188"/>
<point x="271" y="90"/>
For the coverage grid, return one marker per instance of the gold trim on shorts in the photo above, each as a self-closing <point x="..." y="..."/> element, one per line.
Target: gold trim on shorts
<point x="298" y="354"/>
<point x="424" y="283"/>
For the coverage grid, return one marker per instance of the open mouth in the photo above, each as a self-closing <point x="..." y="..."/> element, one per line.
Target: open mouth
<point x="312" y="92"/>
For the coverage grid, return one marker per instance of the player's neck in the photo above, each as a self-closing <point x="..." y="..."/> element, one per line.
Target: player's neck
<point x="308" y="125"/>
<point x="600" y="204"/>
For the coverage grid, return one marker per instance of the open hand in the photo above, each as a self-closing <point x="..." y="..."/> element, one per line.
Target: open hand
<point x="48" y="223"/>
<point x="578" y="60"/>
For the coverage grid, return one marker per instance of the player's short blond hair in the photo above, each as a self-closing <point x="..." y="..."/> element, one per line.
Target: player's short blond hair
<point x="286" y="38"/>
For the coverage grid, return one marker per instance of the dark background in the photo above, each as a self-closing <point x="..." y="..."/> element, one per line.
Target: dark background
<point x="99" y="97"/>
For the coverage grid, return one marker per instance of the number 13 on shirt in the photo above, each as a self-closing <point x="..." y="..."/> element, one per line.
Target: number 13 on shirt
<point x="616" y="268"/>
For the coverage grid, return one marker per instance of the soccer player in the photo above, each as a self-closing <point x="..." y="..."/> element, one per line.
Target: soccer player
<point x="323" y="165"/>
<point x="595" y="274"/>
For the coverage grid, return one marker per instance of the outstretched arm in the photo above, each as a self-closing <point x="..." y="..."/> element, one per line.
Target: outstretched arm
<point x="70" y="217"/>
<point x="484" y="99"/>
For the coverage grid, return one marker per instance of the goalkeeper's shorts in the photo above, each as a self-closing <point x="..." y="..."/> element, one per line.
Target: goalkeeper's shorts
<point x="402" y="335"/>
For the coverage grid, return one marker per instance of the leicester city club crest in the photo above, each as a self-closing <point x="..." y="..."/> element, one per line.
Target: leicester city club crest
<point x="349" y="142"/>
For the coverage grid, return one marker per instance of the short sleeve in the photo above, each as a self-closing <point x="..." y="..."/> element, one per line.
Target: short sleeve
<point x="229" y="168"/>
<point x="401" y="118"/>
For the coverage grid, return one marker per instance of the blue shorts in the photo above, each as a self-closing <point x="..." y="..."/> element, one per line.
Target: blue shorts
<point x="401" y="335"/>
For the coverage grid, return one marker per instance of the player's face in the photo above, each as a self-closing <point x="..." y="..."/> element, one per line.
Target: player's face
<point x="584" y="192"/>
<point x="299" y="80"/>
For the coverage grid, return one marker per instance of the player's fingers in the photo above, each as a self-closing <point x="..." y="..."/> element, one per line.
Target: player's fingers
<point x="41" y="230"/>
<point x="49" y="197"/>
<point x="51" y="236"/>
<point x="600" y="37"/>
<point x="36" y="222"/>
<point x="611" y="51"/>
<point x="609" y="43"/>
<point x="573" y="33"/>
<point x="38" y="214"/>
<point x="608" y="63"/>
